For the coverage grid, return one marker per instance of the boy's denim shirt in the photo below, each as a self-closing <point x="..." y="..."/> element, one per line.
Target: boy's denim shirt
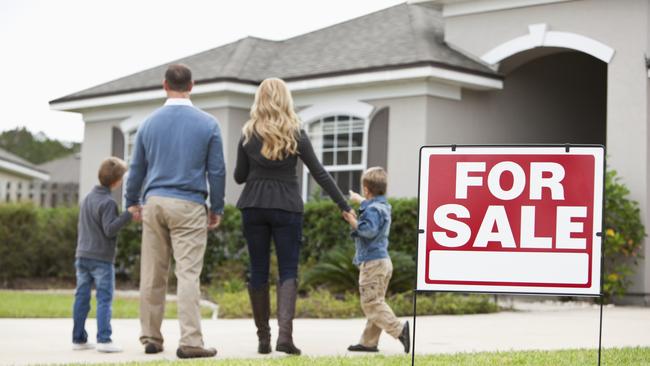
<point x="371" y="235"/>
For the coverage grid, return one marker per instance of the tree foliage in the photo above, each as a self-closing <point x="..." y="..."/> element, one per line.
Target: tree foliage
<point x="35" y="149"/>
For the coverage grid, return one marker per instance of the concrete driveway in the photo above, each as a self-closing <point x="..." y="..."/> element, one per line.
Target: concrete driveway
<point x="533" y="327"/>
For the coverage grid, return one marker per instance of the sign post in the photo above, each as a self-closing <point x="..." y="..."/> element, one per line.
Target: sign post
<point x="510" y="220"/>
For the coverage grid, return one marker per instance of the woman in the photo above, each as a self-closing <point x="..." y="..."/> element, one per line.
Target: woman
<point x="271" y="144"/>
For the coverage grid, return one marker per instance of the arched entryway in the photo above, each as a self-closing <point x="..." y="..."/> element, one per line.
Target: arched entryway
<point x="551" y="95"/>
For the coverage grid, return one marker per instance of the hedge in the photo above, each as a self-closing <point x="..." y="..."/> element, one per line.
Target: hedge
<point x="40" y="243"/>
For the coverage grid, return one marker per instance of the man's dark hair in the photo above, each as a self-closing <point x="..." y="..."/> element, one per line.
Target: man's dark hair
<point x="179" y="77"/>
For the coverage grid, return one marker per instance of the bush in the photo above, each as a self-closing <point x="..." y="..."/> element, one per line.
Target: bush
<point x="624" y="233"/>
<point x="324" y="228"/>
<point x="321" y="303"/>
<point x="18" y="226"/>
<point x="36" y="243"/>
<point x="40" y="243"/>
<point x="336" y="272"/>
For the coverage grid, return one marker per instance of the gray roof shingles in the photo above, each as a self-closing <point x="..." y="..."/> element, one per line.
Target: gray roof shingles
<point x="399" y="36"/>
<point x="7" y="156"/>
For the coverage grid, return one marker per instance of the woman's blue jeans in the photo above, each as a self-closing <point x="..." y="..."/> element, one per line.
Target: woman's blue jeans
<point x="102" y="274"/>
<point x="285" y="228"/>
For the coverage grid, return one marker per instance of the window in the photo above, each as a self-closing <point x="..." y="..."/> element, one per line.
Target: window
<point x="130" y="143"/>
<point x="340" y="143"/>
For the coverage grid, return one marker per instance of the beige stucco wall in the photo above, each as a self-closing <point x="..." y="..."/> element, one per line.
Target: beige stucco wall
<point x="96" y="147"/>
<point x="231" y="121"/>
<point x="621" y="25"/>
<point x="407" y="126"/>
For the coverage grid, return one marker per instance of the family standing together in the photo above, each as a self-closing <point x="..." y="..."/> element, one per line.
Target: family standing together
<point x="177" y="166"/>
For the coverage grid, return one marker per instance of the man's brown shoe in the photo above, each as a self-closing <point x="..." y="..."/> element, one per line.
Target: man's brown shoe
<point x="195" y="352"/>
<point x="152" y="348"/>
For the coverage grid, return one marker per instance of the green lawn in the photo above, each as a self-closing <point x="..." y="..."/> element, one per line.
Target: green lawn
<point x="611" y="357"/>
<point x="18" y="304"/>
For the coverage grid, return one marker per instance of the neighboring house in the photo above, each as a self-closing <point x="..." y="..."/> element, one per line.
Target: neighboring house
<point x="372" y="90"/>
<point x="19" y="179"/>
<point x="63" y="186"/>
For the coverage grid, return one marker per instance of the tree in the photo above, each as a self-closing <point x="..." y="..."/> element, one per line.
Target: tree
<point x="35" y="149"/>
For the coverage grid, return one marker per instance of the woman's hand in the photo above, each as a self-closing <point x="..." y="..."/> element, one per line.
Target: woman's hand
<point x="356" y="197"/>
<point x="351" y="218"/>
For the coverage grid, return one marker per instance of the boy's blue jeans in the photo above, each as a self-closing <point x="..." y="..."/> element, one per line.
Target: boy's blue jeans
<point x="102" y="274"/>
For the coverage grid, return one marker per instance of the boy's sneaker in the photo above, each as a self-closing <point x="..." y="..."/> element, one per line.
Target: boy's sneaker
<point x="109" y="347"/>
<point x="82" y="346"/>
<point x="405" y="338"/>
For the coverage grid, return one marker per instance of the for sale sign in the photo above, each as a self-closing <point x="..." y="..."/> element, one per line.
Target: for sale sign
<point x="511" y="219"/>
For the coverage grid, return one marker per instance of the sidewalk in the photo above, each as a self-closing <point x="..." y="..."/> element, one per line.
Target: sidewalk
<point x="555" y="326"/>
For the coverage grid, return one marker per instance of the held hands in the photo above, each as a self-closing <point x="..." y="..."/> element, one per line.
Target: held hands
<point x="214" y="220"/>
<point x="356" y="197"/>
<point x="351" y="218"/>
<point x="136" y="212"/>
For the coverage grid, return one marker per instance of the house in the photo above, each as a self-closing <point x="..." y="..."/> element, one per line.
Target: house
<point x="372" y="90"/>
<point x="63" y="187"/>
<point x="19" y="179"/>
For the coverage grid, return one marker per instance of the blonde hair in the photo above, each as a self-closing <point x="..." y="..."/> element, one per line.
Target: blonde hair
<point x="110" y="171"/>
<point x="273" y="120"/>
<point x="375" y="180"/>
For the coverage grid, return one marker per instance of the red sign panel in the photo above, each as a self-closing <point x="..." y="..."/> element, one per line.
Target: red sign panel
<point x="511" y="219"/>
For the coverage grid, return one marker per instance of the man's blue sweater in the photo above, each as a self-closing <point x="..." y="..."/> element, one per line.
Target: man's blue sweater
<point x="178" y="151"/>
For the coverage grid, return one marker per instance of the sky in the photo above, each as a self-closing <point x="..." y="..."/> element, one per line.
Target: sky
<point x="53" y="48"/>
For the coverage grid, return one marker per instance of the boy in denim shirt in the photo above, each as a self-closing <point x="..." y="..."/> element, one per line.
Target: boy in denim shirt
<point x="370" y="233"/>
<point x="99" y="223"/>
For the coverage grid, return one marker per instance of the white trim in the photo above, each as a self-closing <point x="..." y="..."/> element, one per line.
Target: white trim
<point x="218" y="87"/>
<point x="464" y="79"/>
<point x="456" y="8"/>
<point x="410" y="88"/>
<point x="539" y="36"/>
<point x="648" y="73"/>
<point x="22" y="170"/>
<point x="353" y="108"/>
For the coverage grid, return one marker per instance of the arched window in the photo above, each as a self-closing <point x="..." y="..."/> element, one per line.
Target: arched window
<point x="340" y="142"/>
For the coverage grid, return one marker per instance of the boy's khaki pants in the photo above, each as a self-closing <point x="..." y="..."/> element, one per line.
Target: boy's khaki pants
<point x="374" y="277"/>
<point x="179" y="228"/>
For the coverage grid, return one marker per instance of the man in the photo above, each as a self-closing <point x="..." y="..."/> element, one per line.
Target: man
<point x="178" y="152"/>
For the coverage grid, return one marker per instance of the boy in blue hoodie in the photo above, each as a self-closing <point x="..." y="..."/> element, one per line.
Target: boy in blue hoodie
<point x="370" y="232"/>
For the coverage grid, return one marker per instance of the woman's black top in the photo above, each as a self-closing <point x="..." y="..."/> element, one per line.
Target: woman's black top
<point x="274" y="183"/>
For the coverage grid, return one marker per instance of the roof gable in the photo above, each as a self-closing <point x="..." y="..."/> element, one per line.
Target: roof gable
<point x="399" y="36"/>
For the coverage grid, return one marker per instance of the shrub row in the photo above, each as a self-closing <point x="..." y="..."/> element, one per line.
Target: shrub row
<point x="40" y="243"/>
<point x="323" y="304"/>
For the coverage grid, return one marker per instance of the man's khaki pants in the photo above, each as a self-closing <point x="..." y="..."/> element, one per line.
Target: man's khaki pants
<point x="374" y="277"/>
<point x="179" y="228"/>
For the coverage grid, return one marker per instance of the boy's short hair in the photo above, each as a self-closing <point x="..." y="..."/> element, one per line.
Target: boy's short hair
<point x="111" y="170"/>
<point x="375" y="180"/>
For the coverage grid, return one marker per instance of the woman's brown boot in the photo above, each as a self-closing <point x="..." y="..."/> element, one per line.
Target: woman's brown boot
<point x="261" y="305"/>
<point x="287" y="292"/>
